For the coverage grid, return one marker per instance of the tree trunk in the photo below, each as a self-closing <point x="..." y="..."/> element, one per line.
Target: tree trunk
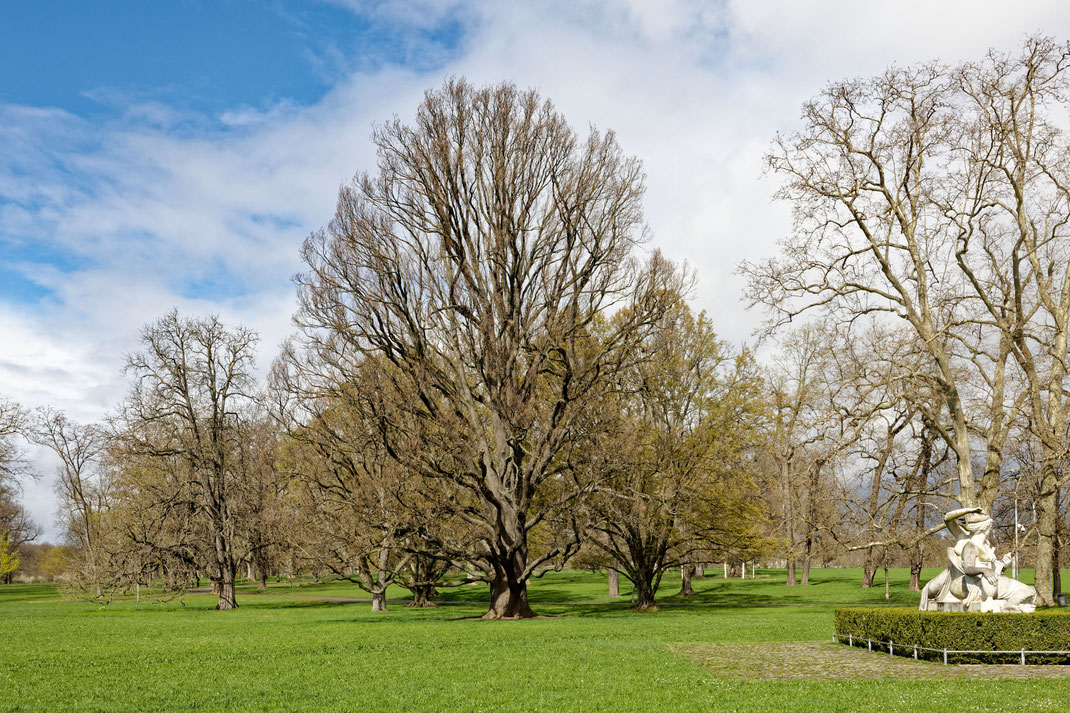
<point x="421" y="596"/>
<point x="1056" y="549"/>
<point x="791" y="581"/>
<point x="379" y="601"/>
<point x="685" y="581"/>
<point x="614" y="582"/>
<point x="915" y="569"/>
<point x="700" y="570"/>
<point x="261" y="582"/>
<point x="869" y="569"/>
<point x="1047" y="516"/>
<point x="807" y="554"/>
<point x="644" y="595"/>
<point x="227" y="596"/>
<point x="508" y="599"/>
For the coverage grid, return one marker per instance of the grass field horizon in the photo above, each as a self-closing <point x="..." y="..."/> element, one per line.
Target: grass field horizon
<point x="297" y="653"/>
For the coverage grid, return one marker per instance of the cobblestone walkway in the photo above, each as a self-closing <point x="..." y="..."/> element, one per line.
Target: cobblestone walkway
<point x="817" y="661"/>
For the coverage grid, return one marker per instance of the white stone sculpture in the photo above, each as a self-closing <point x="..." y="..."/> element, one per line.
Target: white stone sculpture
<point x="974" y="581"/>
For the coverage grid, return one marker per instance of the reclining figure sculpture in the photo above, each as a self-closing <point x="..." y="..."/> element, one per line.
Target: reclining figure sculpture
<point x="974" y="581"/>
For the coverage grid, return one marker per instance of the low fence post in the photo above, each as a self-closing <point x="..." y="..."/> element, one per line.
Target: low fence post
<point x="889" y="648"/>
<point x="915" y="652"/>
<point x="1023" y="657"/>
<point x="870" y="642"/>
<point x="945" y="657"/>
<point x="850" y="639"/>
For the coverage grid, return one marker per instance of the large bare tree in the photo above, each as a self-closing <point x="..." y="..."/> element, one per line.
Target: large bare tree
<point x="476" y="261"/>
<point x="934" y="198"/>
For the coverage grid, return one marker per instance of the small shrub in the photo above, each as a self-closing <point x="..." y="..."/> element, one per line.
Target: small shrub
<point x="906" y="628"/>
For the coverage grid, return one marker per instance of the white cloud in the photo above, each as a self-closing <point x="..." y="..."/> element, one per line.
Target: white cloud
<point x="157" y="200"/>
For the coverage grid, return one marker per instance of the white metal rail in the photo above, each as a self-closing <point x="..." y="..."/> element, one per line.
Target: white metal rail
<point x="850" y="639"/>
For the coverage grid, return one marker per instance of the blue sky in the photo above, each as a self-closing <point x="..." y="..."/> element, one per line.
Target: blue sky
<point x="175" y="153"/>
<point x="91" y="58"/>
<point x="194" y="67"/>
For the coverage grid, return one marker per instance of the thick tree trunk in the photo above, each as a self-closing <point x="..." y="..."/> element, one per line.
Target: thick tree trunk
<point x="791" y="580"/>
<point x="644" y="595"/>
<point x="508" y="599"/>
<point x="614" y="582"/>
<point x="227" y="595"/>
<point x="700" y="570"/>
<point x="421" y="596"/>
<point x="379" y="601"/>
<point x="261" y="582"/>
<point x="685" y="581"/>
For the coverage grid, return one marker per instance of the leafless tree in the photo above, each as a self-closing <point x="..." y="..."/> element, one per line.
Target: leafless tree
<point x="476" y="262"/>
<point x="192" y="388"/>
<point x="934" y="198"/>
<point x="85" y="491"/>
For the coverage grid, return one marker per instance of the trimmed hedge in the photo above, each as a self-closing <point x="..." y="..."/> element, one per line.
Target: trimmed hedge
<point x="906" y="628"/>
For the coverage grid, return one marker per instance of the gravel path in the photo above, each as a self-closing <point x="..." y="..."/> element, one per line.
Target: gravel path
<point x="825" y="661"/>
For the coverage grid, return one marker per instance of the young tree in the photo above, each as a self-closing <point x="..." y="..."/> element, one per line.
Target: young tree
<point x="671" y="464"/>
<point x="474" y="263"/>
<point x="84" y="490"/>
<point x="9" y="557"/>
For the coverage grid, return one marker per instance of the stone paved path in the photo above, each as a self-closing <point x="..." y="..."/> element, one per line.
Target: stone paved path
<point x="823" y="660"/>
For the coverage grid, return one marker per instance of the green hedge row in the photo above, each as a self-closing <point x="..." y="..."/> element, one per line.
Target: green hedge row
<point x="906" y="628"/>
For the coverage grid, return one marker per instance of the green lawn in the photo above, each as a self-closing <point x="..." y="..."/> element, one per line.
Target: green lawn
<point x="280" y="654"/>
<point x="833" y="586"/>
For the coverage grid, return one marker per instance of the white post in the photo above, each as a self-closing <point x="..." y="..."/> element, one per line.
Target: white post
<point x="139" y="591"/>
<point x="726" y="570"/>
<point x="743" y="571"/>
<point x="752" y="566"/>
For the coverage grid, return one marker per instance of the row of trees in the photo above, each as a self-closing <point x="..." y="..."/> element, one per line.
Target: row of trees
<point x="488" y="378"/>
<point x="931" y="206"/>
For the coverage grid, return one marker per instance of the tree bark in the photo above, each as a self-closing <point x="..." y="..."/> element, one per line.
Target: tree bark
<point x="644" y="596"/>
<point x="685" y="581"/>
<point x="379" y="601"/>
<point x="421" y="596"/>
<point x="807" y="554"/>
<point x="1047" y="515"/>
<point x="227" y="595"/>
<point x="508" y="599"/>
<point x="614" y="582"/>
<point x="700" y="570"/>
<point x="869" y="569"/>
<point x="791" y="580"/>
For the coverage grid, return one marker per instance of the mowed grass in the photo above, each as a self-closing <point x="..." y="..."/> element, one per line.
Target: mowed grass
<point x="832" y="586"/>
<point x="278" y="653"/>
